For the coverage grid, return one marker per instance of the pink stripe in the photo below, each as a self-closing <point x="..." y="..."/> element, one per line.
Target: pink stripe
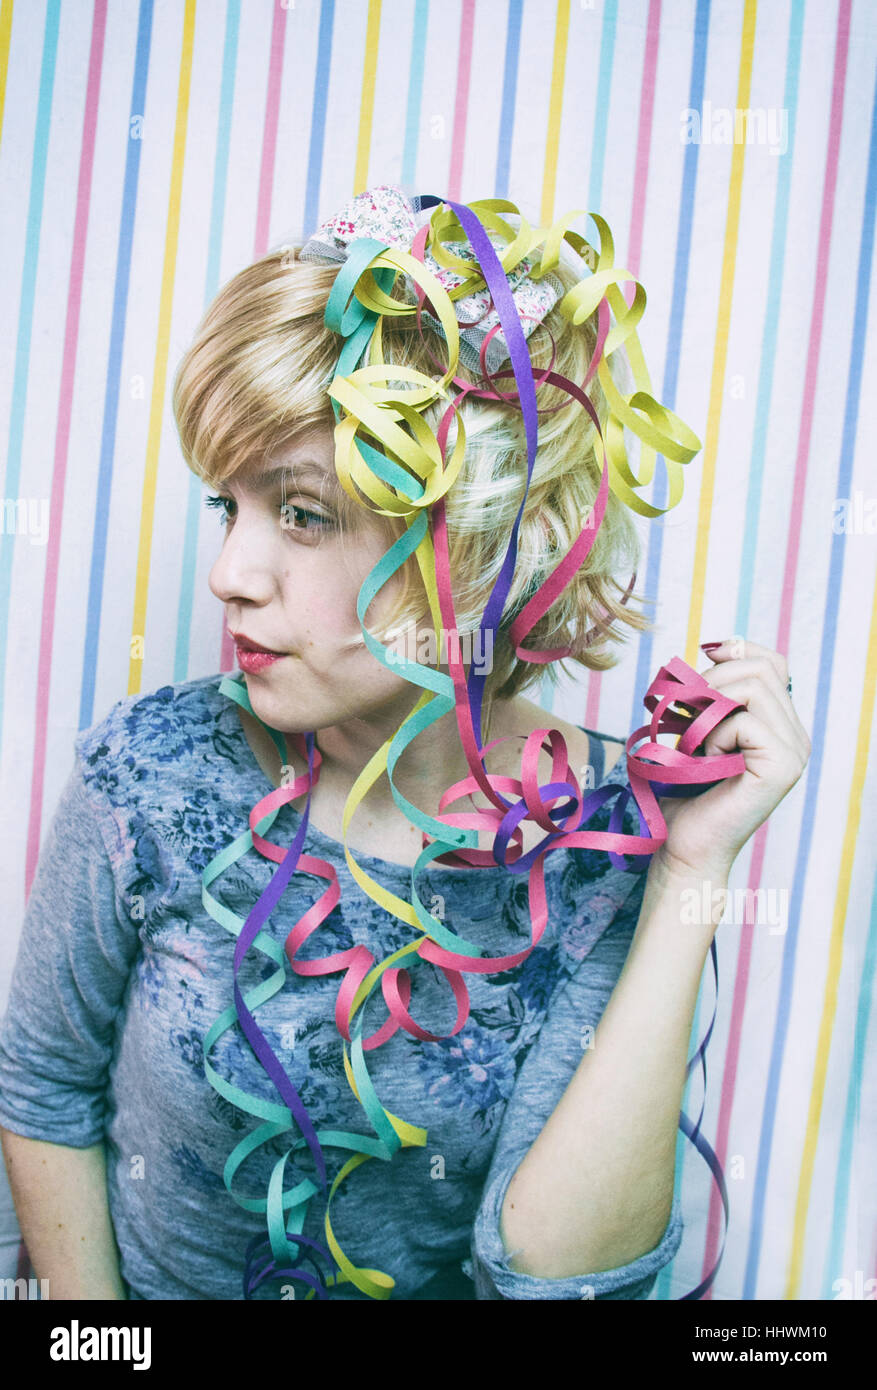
<point x="810" y="376"/>
<point x="62" y="440"/>
<point x="644" y="140"/>
<point x="785" y="619"/>
<point x="461" y="104"/>
<point x="263" y="212"/>
<point x="635" y="238"/>
<point x="269" y="132"/>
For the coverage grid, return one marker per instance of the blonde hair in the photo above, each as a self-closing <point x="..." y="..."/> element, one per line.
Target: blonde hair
<point x="255" y="378"/>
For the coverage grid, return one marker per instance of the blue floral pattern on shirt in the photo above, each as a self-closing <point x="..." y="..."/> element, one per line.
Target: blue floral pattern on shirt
<point x="472" y="1070"/>
<point x="170" y="780"/>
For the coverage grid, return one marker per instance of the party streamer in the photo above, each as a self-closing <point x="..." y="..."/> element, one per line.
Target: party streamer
<point x="409" y="477"/>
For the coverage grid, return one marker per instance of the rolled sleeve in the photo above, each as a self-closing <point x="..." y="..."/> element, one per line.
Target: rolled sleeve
<point x="543" y="1078"/>
<point x="71" y="969"/>
<point x="494" y="1279"/>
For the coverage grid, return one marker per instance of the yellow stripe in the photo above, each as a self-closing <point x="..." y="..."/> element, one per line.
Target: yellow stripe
<point x="835" y="956"/>
<point x="367" y="104"/>
<point x="720" y="357"/>
<point x="555" y="109"/>
<point x="159" y="372"/>
<point x="5" y="44"/>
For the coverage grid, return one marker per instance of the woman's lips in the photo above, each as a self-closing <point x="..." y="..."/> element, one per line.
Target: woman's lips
<point x="253" y="662"/>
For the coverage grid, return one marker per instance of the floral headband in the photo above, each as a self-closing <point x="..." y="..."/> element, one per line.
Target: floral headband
<point x="484" y="283"/>
<point x="386" y="214"/>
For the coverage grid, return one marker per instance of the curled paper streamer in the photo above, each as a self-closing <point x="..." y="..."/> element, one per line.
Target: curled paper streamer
<point x="409" y="477"/>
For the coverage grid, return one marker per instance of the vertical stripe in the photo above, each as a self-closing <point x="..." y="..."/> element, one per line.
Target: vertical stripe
<point x="18" y="400"/>
<point x="813" y="776"/>
<point x="595" y="182"/>
<point x="318" y="118"/>
<point x="720" y="356"/>
<point x="753" y="501"/>
<point x="601" y="105"/>
<point x="659" y="496"/>
<point x="729" y="256"/>
<point x="869" y="966"/>
<point x="62" y="435"/>
<point x="415" y="92"/>
<point x="655" y="542"/>
<point x="818" y="310"/>
<point x="461" y="100"/>
<point x="555" y="111"/>
<point x="114" y="367"/>
<point x="767" y="359"/>
<point x="509" y="91"/>
<point x="367" y="102"/>
<point x="843" y="1171"/>
<point x="866" y="718"/>
<point x="263" y="209"/>
<point x="595" y="185"/>
<point x="5" y="41"/>
<point x="269" y="134"/>
<point x="162" y="344"/>
<point x="186" y="604"/>
<point x="644" y="138"/>
<point x="637" y="216"/>
<point x="835" y="956"/>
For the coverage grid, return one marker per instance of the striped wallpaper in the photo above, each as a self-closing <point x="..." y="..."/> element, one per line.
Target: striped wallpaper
<point x="149" y="150"/>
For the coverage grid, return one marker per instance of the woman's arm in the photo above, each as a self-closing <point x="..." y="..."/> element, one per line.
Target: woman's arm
<point x="596" y="1187"/>
<point x="60" y="1197"/>
<point x="595" y="1190"/>
<point x="57" y="1037"/>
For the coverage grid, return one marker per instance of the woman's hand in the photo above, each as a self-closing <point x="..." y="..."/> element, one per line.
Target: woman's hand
<point x="705" y="833"/>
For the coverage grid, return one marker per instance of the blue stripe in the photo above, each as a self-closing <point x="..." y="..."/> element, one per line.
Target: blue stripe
<point x="318" y="118"/>
<point x="659" y="496"/>
<point x="214" y="254"/>
<point x="18" y="403"/>
<point x="601" y="110"/>
<point x="509" y="92"/>
<point x="114" y="368"/>
<point x="824" y="668"/>
<point x="771" y="329"/>
<point x="834" y="1260"/>
<point x="415" y="94"/>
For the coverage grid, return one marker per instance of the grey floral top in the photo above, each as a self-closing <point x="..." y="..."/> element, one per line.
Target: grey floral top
<point x="121" y="971"/>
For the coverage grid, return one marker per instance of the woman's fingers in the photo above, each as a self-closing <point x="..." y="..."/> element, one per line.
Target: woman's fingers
<point x="768" y="669"/>
<point x="755" y="683"/>
<point x="768" y="707"/>
<point x="741" y="649"/>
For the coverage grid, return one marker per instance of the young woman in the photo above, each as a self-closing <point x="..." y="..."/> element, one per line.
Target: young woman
<point x="527" y="1152"/>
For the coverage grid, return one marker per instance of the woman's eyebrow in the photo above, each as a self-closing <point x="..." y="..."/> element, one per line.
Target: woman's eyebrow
<point x="329" y="489"/>
<point x="265" y="481"/>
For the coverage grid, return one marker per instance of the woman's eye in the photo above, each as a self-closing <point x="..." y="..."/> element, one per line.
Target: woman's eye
<point x="292" y="518"/>
<point x="220" y="503"/>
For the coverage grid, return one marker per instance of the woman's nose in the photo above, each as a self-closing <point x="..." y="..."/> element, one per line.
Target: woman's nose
<point x="244" y="566"/>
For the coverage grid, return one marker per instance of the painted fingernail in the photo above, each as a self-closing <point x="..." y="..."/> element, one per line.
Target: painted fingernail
<point x="710" y="646"/>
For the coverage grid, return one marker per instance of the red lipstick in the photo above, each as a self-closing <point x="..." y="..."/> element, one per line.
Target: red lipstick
<point x="252" y="657"/>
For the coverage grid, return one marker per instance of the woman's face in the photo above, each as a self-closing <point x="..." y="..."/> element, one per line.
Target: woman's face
<point x="290" y="583"/>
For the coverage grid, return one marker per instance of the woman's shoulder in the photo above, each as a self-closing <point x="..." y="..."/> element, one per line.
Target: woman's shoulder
<point x="147" y="734"/>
